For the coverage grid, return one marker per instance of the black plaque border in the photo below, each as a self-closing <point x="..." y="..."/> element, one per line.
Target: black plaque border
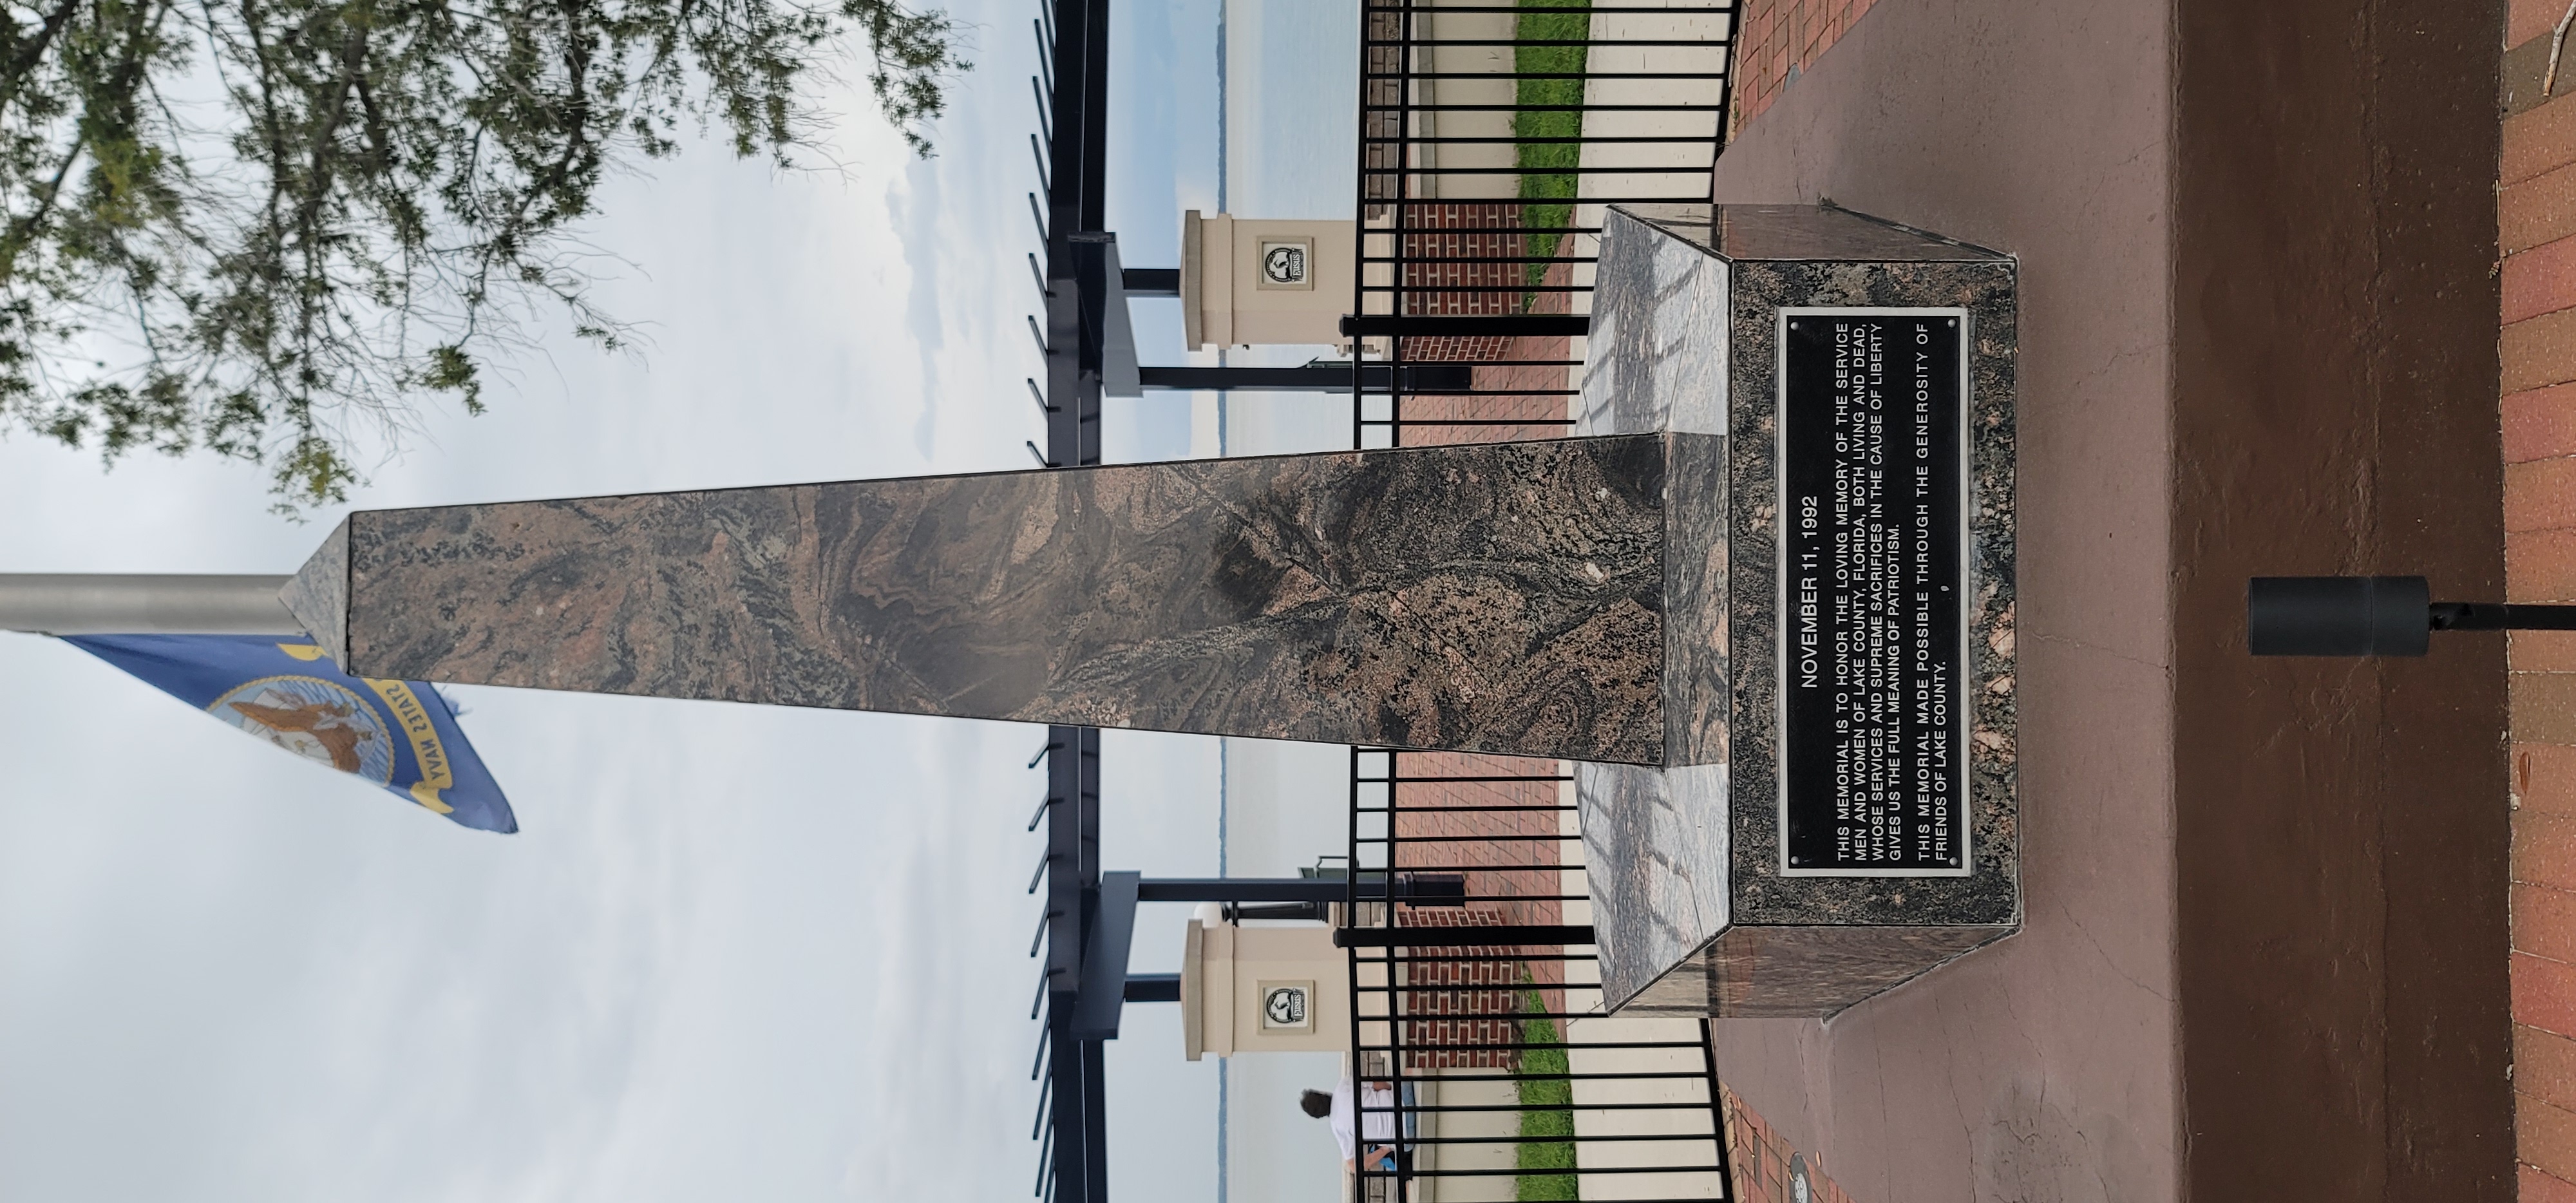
<point x="1780" y="570"/>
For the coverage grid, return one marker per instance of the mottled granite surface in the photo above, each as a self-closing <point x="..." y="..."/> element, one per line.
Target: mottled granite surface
<point x="318" y="596"/>
<point x="1758" y="971"/>
<point x="1759" y="952"/>
<point x="1945" y="275"/>
<point x="1695" y="688"/>
<point x="1655" y="853"/>
<point x="1804" y="233"/>
<point x="1656" y="356"/>
<point x="1506" y="598"/>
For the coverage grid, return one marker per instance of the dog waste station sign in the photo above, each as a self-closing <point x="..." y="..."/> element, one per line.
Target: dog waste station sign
<point x="1873" y="578"/>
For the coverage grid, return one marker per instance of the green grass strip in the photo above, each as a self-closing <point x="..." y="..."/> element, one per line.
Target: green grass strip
<point x="1546" y="187"/>
<point x="1547" y="1130"/>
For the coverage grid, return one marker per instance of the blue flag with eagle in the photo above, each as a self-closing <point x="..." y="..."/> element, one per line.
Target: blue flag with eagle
<point x="398" y="734"/>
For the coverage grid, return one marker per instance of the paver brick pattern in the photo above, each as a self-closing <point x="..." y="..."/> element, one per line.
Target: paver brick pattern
<point x="2536" y="343"/>
<point x="2537" y="1187"/>
<point x="2540" y="423"/>
<point x="1764" y="1166"/>
<point x="1779" y="40"/>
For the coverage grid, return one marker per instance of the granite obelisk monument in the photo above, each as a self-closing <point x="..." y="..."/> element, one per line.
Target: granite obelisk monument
<point x="1763" y="600"/>
<point x="1530" y="599"/>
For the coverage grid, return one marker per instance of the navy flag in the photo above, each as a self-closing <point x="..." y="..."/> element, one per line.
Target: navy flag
<point x="398" y="734"/>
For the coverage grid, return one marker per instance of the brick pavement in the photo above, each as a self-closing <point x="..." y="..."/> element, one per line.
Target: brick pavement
<point x="1779" y="37"/>
<point x="2536" y="249"/>
<point x="1503" y="836"/>
<point x="1765" y="1166"/>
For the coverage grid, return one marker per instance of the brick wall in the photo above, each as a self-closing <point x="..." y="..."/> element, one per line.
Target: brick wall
<point x="2536" y="246"/>
<point x="1462" y="230"/>
<point x="1535" y="364"/>
<point x="1502" y="837"/>
<point x="1464" y="1001"/>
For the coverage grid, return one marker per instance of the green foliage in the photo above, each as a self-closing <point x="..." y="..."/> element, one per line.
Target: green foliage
<point x="1547" y="1128"/>
<point x="1545" y="179"/>
<point x="239" y="225"/>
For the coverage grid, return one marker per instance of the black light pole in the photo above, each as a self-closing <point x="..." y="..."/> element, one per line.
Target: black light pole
<point x="2372" y="616"/>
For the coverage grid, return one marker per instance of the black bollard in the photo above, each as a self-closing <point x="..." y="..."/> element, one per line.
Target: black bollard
<point x="2338" y="615"/>
<point x="2372" y="616"/>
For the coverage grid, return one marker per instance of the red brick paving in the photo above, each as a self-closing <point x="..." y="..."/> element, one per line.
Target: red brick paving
<point x="2540" y="565"/>
<point x="2541" y="280"/>
<point x="2544" y="922"/>
<point x="1778" y="35"/>
<point x="2537" y="210"/>
<point x="2544" y="997"/>
<point x="2543" y="706"/>
<point x="2544" y="851"/>
<point x="2538" y="1187"/>
<point x="1509" y="857"/>
<point x="2543" y="651"/>
<point x="2545" y="1066"/>
<point x="1503" y="837"/>
<point x="2541" y="350"/>
<point x="1535" y="364"/>
<point x="2544" y="778"/>
<point x="2540" y="423"/>
<point x="2541" y="494"/>
<point x="1762" y="1162"/>
<point x="2528" y="19"/>
<point x="2537" y="141"/>
<point x="2545" y="1137"/>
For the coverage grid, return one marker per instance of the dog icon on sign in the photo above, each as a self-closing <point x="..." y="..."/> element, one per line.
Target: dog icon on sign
<point x="1283" y="264"/>
<point x="1287" y="1006"/>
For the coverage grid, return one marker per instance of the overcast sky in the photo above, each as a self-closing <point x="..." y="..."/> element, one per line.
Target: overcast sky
<point x="735" y="952"/>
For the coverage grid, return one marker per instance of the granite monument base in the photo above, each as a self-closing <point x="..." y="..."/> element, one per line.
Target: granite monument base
<point x="1861" y="827"/>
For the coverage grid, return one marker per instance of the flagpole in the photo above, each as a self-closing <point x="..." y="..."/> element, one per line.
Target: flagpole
<point x="67" y="603"/>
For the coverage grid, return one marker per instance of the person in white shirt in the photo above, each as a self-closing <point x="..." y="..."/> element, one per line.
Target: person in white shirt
<point x="1377" y="1122"/>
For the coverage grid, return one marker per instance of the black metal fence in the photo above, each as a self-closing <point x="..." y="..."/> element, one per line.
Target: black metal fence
<point x="1491" y="135"/>
<point x="1486" y="1066"/>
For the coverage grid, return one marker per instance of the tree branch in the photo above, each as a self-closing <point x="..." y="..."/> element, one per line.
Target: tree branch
<point x="32" y="52"/>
